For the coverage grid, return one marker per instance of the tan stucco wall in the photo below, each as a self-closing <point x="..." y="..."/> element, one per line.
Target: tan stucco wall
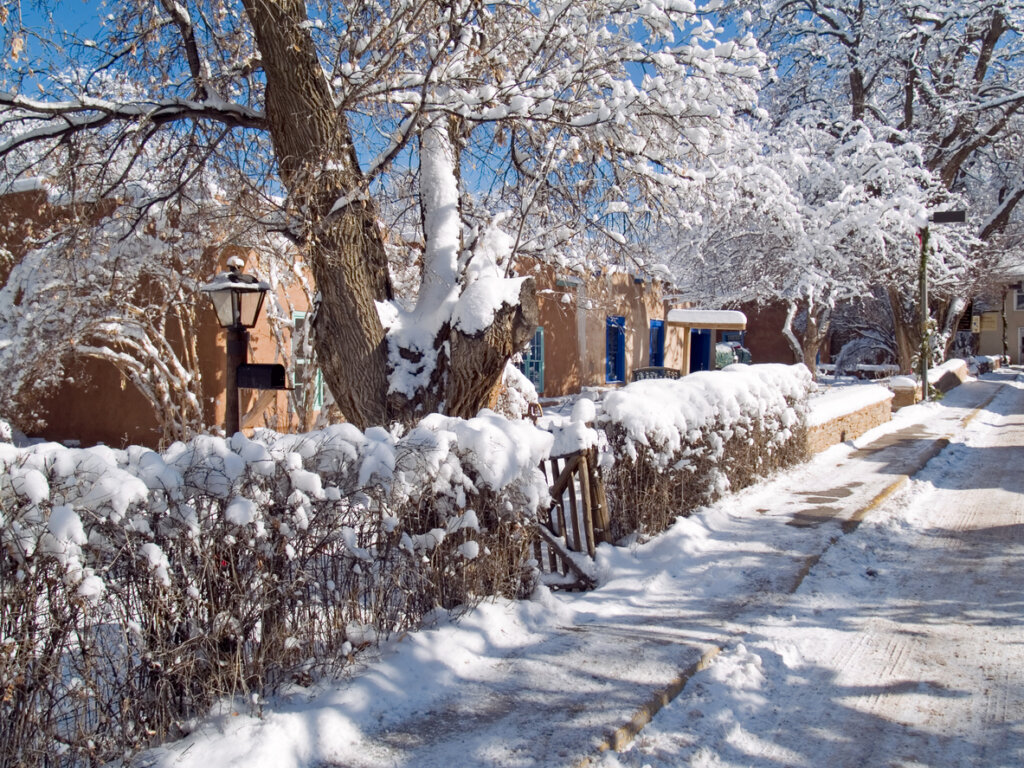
<point x="97" y="405"/>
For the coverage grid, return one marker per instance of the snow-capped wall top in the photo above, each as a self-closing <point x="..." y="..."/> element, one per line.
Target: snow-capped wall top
<point x="707" y="318"/>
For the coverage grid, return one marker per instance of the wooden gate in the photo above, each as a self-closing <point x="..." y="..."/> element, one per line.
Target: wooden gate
<point x="576" y="521"/>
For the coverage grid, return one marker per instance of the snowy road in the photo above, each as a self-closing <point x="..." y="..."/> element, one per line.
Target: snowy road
<point x="850" y="626"/>
<point x="904" y="646"/>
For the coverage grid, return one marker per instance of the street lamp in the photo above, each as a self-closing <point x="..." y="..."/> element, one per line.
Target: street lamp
<point x="237" y="299"/>
<point x="938" y="217"/>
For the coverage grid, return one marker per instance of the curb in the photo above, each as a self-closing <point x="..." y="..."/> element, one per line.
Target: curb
<point x="622" y="736"/>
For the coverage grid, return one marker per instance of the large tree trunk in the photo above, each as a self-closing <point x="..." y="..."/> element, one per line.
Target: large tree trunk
<point x="906" y="331"/>
<point x="478" y="361"/>
<point x="819" y="320"/>
<point x="453" y="369"/>
<point x="805" y="347"/>
<point x="951" y="311"/>
<point x="345" y="249"/>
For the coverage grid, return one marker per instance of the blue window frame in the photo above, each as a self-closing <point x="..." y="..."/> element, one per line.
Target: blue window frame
<point x="615" y="349"/>
<point x="532" y="364"/>
<point x="302" y="360"/>
<point x="657" y="343"/>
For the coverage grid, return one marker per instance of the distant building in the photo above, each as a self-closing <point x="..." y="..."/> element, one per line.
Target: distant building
<point x="598" y="326"/>
<point x="999" y="322"/>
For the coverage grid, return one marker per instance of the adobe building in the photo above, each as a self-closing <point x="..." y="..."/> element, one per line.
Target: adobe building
<point x="999" y="323"/>
<point x="595" y="328"/>
<point x="97" y="403"/>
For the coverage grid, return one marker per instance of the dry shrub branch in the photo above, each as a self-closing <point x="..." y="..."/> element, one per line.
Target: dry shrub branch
<point x="678" y="445"/>
<point x="138" y="589"/>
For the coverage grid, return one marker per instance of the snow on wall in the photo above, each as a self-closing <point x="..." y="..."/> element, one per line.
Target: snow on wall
<point x="668" y="414"/>
<point x="834" y="424"/>
<point x="843" y="401"/>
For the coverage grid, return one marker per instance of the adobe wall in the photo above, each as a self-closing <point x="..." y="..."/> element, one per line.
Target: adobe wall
<point x="990" y="339"/>
<point x="848" y="427"/>
<point x="97" y="404"/>
<point x="573" y="312"/>
<point x="764" y="337"/>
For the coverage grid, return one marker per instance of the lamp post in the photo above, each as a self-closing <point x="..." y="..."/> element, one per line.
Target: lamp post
<point x="938" y="217"/>
<point x="237" y="299"/>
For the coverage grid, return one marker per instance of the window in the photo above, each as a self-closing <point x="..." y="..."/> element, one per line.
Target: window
<point x="302" y="359"/>
<point x="1018" y="302"/>
<point x="532" y="364"/>
<point x="615" y="349"/>
<point x="657" y="343"/>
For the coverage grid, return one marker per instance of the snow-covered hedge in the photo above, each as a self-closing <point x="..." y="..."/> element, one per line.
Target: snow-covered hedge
<point x="138" y="587"/>
<point x="678" y="444"/>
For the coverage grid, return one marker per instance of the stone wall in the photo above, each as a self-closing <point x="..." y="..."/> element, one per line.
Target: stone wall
<point x="847" y="427"/>
<point x="950" y="374"/>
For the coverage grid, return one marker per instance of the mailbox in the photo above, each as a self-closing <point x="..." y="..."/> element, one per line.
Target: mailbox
<point x="261" y="376"/>
<point x="949" y="217"/>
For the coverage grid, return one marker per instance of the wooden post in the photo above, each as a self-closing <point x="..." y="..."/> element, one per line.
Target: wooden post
<point x="550" y="527"/>
<point x="602" y="520"/>
<point x="556" y="497"/>
<point x="588" y="517"/>
<point x="685" y="367"/>
<point x="577" y="545"/>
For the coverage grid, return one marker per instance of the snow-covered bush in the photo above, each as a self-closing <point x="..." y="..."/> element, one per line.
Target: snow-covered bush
<point x="678" y="444"/>
<point x="138" y="587"/>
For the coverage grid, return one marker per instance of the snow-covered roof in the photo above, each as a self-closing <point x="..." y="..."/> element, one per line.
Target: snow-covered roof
<point x="724" y="319"/>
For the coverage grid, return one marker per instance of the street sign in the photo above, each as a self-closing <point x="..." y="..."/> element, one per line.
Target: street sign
<point x="261" y="376"/>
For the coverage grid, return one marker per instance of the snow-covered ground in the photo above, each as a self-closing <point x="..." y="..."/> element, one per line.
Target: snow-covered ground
<point x="901" y="645"/>
<point x="904" y="645"/>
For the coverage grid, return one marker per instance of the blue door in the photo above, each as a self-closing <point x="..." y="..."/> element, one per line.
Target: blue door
<point x="657" y="343"/>
<point x="700" y="349"/>
<point x="615" y="349"/>
<point x="532" y="364"/>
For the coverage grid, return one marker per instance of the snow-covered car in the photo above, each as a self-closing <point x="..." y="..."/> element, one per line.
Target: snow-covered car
<point x="729" y="352"/>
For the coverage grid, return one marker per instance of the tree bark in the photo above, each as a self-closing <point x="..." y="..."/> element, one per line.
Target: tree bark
<point x="477" y="362"/>
<point x="907" y="333"/>
<point x="805" y="347"/>
<point x="468" y="367"/>
<point x="345" y="249"/>
<point x="858" y="93"/>
<point x="819" y="320"/>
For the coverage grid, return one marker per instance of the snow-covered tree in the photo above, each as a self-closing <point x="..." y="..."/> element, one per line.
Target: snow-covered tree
<point x="812" y="220"/>
<point x="942" y="80"/>
<point x="525" y="124"/>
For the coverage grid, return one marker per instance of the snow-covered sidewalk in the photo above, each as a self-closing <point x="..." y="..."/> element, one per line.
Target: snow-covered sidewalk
<point x="553" y="680"/>
<point x="904" y="646"/>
